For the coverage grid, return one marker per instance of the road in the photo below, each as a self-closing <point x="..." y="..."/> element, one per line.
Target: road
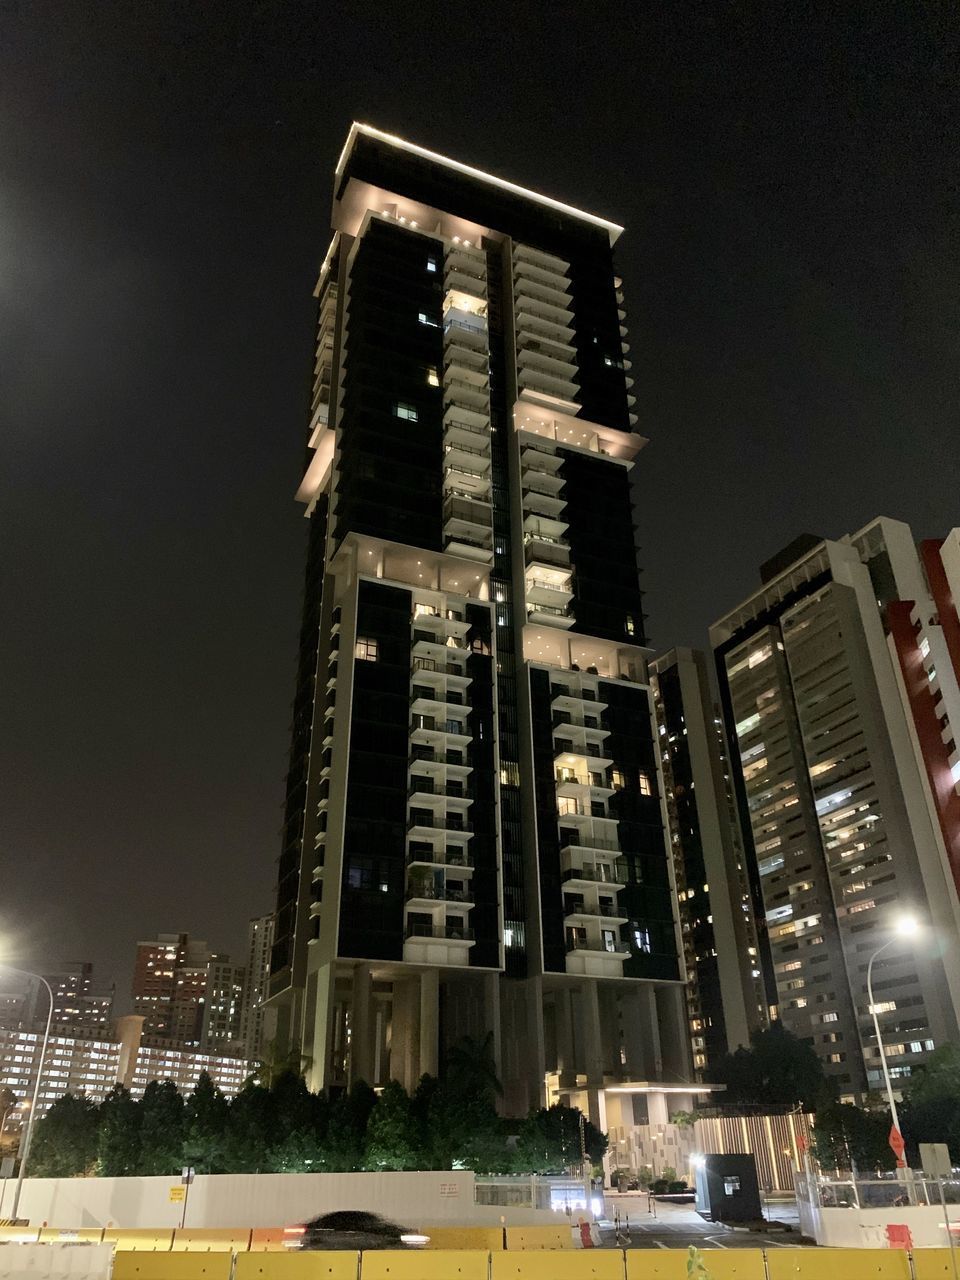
<point x="677" y="1226"/>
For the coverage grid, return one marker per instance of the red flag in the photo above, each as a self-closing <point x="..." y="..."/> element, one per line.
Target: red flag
<point x="897" y="1146"/>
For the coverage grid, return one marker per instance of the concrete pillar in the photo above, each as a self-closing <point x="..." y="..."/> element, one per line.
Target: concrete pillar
<point x="592" y="1038"/>
<point x="534" y="1050"/>
<point x="405" y="1033"/>
<point x="676" y="1064"/>
<point x="429" y="1054"/>
<point x="566" y="1052"/>
<point x="318" y="1021"/>
<point x="362" y="1027"/>
<point x="630" y="1007"/>
<point x="653" y="1055"/>
<point x="491" y="1017"/>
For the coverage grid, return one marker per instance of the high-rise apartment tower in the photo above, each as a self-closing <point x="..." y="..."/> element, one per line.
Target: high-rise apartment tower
<point x="837" y="690"/>
<point x="474" y="836"/>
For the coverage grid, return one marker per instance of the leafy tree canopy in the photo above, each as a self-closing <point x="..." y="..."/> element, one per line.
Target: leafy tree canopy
<point x="64" y="1141"/>
<point x="550" y="1141"/>
<point x="778" y="1070"/>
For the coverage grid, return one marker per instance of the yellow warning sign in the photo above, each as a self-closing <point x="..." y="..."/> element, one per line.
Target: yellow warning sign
<point x="177" y="1194"/>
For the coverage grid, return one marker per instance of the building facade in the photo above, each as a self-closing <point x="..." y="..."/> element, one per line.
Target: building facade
<point x="169" y="987"/>
<point x="223" y="1004"/>
<point x="93" y="1064"/>
<point x="474" y="837"/>
<point x="727" y="996"/>
<point x="829" y="769"/>
<point x="79" y="1004"/>
<point x="257" y="1023"/>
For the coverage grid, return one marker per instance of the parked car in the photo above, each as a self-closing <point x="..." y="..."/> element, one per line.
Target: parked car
<point x="352" y="1229"/>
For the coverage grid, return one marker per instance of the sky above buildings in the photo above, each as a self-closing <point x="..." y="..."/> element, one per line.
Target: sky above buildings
<point x="787" y="175"/>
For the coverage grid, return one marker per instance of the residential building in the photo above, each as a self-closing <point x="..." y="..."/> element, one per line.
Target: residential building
<point x="817" y="675"/>
<point x="169" y="987"/>
<point x="257" y="1024"/>
<point x="223" y="1003"/>
<point x="727" y="999"/>
<point x="79" y="1004"/>
<point x="93" y="1064"/>
<point x="474" y="836"/>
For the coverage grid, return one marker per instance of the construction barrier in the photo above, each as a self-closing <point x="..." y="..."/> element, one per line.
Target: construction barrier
<point x="132" y="1265"/>
<point x="267" y="1239"/>
<point x="138" y="1239"/>
<point x="422" y="1264"/>
<point x="933" y="1264"/>
<point x="587" y="1264"/>
<point x="78" y="1235"/>
<point x="293" y="1265"/>
<point x="725" y="1264"/>
<point x="211" y="1239"/>
<point x="559" y="1237"/>
<point x="54" y="1261"/>
<point x="823" y="1264"/>
<point x="19" y="1235"/>
<point x="489" y="1238"/>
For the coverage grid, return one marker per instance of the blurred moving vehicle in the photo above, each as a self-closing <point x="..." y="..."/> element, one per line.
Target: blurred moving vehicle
<point x="352" y="1229"/>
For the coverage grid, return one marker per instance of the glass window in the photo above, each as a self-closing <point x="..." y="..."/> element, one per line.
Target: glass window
<point x="428" y="319"/>
<point x="366" y="648"/>
<point x="645" y="788"/>
<point x="403" y="410"/>
<point x="431" y="264"/>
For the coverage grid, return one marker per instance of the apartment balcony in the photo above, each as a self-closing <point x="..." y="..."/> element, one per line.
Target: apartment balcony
<point x="455" y="277"/>
<point x="428" y="645"/>
<point x="588" y="875"/>
<point x="585" y="756"/>
<point x="545" y="548"/>
<point x="529" y="343"/>
<point x="587" y="913"/>
<point x="472" y="452"/>
<point x="543" y="305"/>
<point x="439" y="764"/>
<point x="549" y="615"/>
<point x="539" y="257"/>
<point x="576" y="697"/>
<point x="544" y="383"/>
<point x="538" y="460"/>
<point x="440" y="674"/>
<point x="465" y="411"/>
<point x="596" y="948"/>
<point x="557" y="327"/>
<point x="468" y="527"/>
<point x="547" y="583"/>
<point x="424" y="895"/>
<point x="439" y="933"/>
<point x="469" y="433"/>
<point x="466" y="394"/>
<point x="542" y="286"/>
<point x="536" y="275"/>
<point x="441" y="857"/>
<point x="541" y="501"/>
<point x="439" y="734"/>
<point x="425" y="826"/>
<point x="548" y="358"/>
<point x="466" y="481"/>
<point x="465" y="332"/>
<point x="470" y="262"/>
<point x="582" y="786"/>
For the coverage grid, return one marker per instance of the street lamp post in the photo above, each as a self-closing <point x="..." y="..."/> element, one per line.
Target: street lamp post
<point x="905" y="928"/>
<point x="31" y="1118"/>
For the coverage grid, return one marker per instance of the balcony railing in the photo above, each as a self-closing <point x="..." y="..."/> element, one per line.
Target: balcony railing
<point x="597" y="873"/>
<point x="430" y="893"/>
<point x="553" y="609"/>
<point x="438" y="823"/>
<point x="454" y="933"/>
<point x="467" y="426"/>
<point x="427" y="787"/>
<point x="437" y="857"/>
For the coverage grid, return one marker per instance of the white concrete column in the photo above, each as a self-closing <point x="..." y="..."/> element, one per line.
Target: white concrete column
<point x="429" y="1022"/>
<point x="362" y="1028"/>
<point x="491" y="1017"/>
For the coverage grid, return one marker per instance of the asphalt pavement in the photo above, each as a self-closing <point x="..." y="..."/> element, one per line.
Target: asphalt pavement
<point x="667" y="1226"/>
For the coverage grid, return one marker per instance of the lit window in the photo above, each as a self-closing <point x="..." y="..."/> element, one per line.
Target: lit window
<point x="403" y="410"/>
<point x="431" y="264"/>
<point x="366" y="649"/>
<point x="645" y="788"/>
<point x="616" y="779"/>
<point x="432" y="378"/>
<point x="425" y="319"/>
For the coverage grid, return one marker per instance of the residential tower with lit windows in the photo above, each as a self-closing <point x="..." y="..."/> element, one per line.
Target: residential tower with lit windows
<point x="843" y="749"/>
<point x="474" y="834"/>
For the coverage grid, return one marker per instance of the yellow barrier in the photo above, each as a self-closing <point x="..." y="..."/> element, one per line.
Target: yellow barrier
<point x="823" y="1264"/>
<point x="293" y="1265"/>
<point x="490" y="1238"/>
<point x="671" y="1264"/>
<point x="66" y="1235"/>
<point x="559" y="1237"/>
<point x="172" y="1266"/>
<point x="932" y="1264"/>
<point x="212" y="1239"/>
<point x="19" y="1235"/>
<point x="424" y="1264"/>
<point x="267" y="1239"/>
<point x="585" y="1264"/>
<point x="138" y="1239"/>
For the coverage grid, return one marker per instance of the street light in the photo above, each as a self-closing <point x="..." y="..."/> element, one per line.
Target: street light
<point x="905" y="927"/>
<point x="31" y="1118"/>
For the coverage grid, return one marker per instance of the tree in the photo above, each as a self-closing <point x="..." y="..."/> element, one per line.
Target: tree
<point x="118" y="1139"/>
<point x="391" y="1138"/>
<point x="279" y="1059"/>
<point x="248" y="1133"/>
<point x="778" y="1070"/>
<point x="65" y="1139"/>
<point x="550" y="1141"/>
<point x="297" y="1127"/>
<point x="161" y="1129"/>
<point x="206" y="1115"/>
<point x="342" y="1147"/>
<point x="931" y="1101"/>
<point x="847" y="1137"/>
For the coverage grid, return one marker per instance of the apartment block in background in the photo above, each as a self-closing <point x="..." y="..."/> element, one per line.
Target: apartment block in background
<point x="474" y="838"/>
<point x="818" y="682"/>
<point x="169" y="987"/>
<point x="727" y="998"/>
<point x="223" y="1003"/>
<point x="257" y="1023"/>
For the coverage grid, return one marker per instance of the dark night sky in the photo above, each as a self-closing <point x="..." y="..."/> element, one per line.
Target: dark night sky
<point x="788" y="177"/>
